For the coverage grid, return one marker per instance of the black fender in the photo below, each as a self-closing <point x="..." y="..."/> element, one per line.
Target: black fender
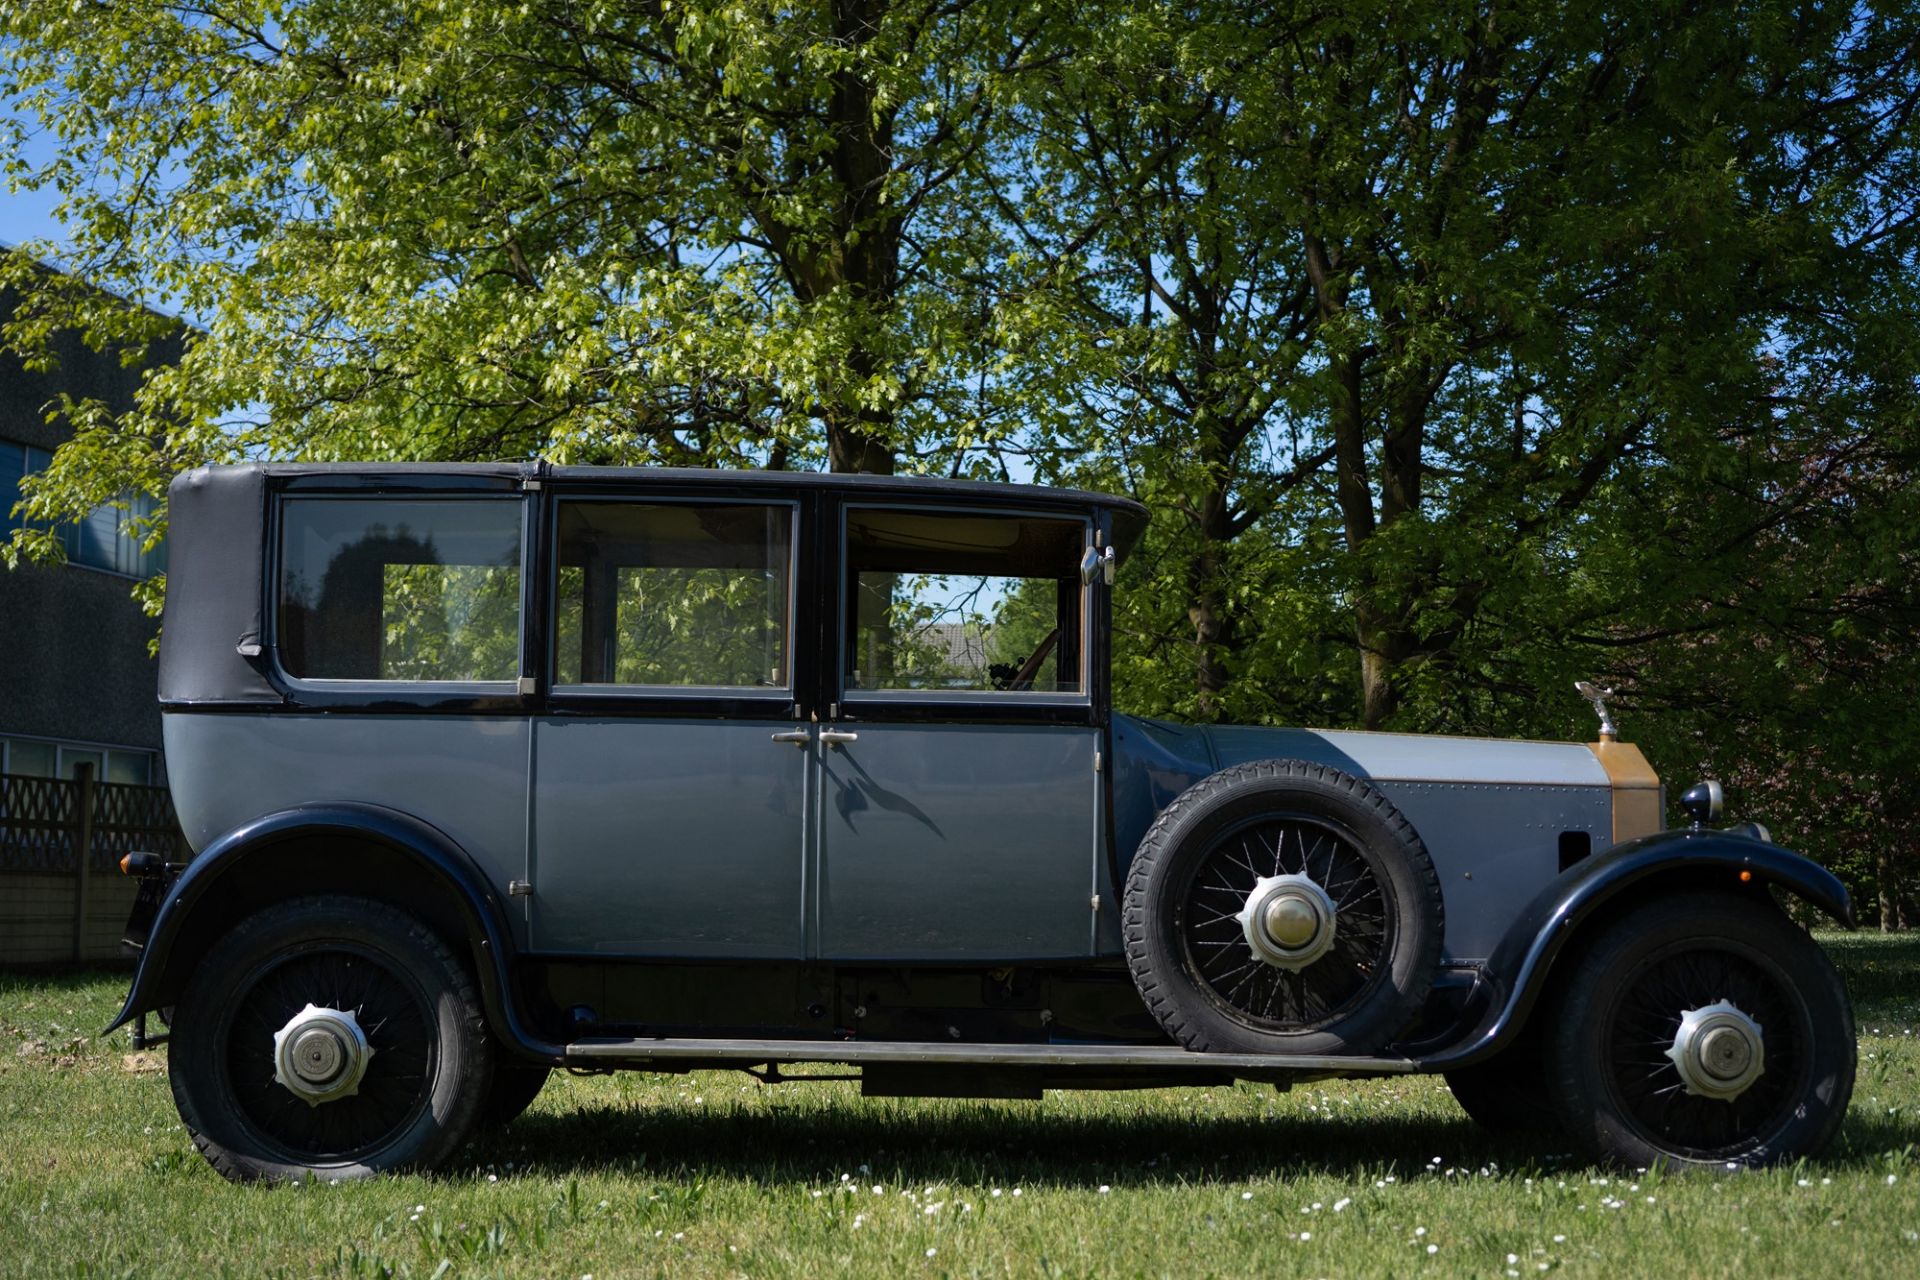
<point x="423" y="847"/>
<point x="1513" y="978"/>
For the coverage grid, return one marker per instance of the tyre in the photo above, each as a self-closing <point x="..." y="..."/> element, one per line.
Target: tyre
<point x="1703" y="1031"/>
<point x="1508" y="1093"/>
<point x="515" y="1085"/>
<point x="1282" y="907"/>
<point x="330" y="1037"/>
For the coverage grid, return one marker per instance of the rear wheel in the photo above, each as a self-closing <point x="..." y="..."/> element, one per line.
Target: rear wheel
<point x="1703" y="1031"/>
<point x="329" y="1037"/>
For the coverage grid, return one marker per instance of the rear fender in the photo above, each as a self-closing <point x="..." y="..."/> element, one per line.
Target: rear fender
<point x="395" y="857"/>
<point x="1569" y="908"/>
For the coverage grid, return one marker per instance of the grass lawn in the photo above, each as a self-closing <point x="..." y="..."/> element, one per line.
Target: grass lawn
<point x="716" y="1175"/>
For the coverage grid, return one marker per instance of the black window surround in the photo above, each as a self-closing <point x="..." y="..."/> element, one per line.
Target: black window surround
<point x="993" y="704"/>
<point x="815" y="619"/>
<point x="335" y="588"/>
<point x="686" y="696"/>
<point x="483" y="697"/>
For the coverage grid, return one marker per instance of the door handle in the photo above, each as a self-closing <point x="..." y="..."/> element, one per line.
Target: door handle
<point x="834" y="737"/>
<point x="797" y="737"/>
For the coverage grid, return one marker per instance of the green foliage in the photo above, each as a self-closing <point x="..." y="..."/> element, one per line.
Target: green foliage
<point x="955" y="631"/>
<point x="683" y="626"/>
<point x="1459" y="350"/>
<point x="450" y="622"/>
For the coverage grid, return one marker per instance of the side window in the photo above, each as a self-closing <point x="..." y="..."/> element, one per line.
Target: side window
<point x="673" y="594"/>
<point x="957" y="603"/>
<point x="399" y="589"/>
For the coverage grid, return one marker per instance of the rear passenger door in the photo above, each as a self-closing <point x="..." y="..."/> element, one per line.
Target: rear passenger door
<point x="958" y="816"/>
<point x="667" y="821"/>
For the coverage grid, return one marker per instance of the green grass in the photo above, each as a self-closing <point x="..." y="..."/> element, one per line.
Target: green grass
<point x="715" y="1175"/>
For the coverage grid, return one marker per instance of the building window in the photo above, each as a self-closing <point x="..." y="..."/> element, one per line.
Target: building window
<point x="97" y="541"/>
<point x="44" y="758"/>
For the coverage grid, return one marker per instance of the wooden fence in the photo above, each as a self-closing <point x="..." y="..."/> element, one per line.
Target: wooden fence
<point x="62" y="897"/>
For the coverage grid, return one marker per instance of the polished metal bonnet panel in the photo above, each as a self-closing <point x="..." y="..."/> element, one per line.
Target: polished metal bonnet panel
<point x="1415" y="757"/>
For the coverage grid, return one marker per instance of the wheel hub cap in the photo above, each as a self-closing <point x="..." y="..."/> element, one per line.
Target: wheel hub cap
<point x="1289" y="921"/>
<point x="321" y="1055"/>
<point x="1718" y="1050"/>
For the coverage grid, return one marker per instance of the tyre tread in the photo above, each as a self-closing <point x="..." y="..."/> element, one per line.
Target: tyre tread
<point x="392" y="922"/>
<point x="1162" y="840"/>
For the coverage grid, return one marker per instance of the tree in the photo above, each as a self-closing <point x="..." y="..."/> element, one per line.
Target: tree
<point x="694" y="234"/>
<point x="1460" y="348"/>
<point x="1391" y="296"/>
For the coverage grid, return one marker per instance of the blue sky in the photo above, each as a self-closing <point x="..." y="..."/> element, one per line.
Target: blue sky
<point x="27" y="215"/>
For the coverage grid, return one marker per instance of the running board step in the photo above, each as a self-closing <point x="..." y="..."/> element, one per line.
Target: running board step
<point x="609" y="1051"/>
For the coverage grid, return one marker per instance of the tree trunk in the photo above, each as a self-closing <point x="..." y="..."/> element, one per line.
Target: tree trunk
<point x="1888" y="890"/>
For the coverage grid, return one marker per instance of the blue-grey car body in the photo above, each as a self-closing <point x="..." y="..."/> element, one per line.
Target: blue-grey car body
<point x="707" y="823"/>
<point x="923" y="840"/>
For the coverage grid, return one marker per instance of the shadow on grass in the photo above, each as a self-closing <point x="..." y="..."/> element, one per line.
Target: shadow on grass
<point x="971" y="1143"/>
<point x="1879" y="969"/>
<point x="959" y="1142"/>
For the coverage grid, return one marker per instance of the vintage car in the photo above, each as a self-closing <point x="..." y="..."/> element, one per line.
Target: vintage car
<point x="492" y="769"/>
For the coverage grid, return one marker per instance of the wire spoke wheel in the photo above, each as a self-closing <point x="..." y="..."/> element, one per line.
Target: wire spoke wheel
<point x="1283" y="907"/>
<point x="1268" y="996"/>
<point x="1701" y="1030"/>
<point x="329" y="1036"/>
<point x="397" y="1020"/>
<point x="1645" y="1024"/>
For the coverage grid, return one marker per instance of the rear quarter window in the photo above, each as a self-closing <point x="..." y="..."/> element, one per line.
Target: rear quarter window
<point x="406" y="590"/>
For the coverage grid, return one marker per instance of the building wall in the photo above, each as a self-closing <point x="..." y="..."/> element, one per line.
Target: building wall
<point x="75" y="664"/>
<point x="74" y="645"/>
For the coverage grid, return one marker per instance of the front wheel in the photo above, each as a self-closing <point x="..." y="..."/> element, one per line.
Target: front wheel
<point x="331" y="1037"/>
<point x="1703" y="1031"/>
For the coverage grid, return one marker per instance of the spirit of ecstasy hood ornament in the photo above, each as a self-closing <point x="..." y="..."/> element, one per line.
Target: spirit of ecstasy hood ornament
<point x="1598" y="697"/>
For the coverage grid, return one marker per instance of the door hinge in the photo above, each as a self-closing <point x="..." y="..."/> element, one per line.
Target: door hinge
<point x="519" y="888"/>
<point x="528" y="686"/>
<point x="1095" y="904"/>
<point x="530" y="485"/>
<point x="1099" y="762"/>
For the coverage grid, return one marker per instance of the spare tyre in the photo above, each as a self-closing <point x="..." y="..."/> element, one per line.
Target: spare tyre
<point x="1282" y="907"/>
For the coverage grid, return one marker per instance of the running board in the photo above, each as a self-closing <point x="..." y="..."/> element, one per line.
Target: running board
<point x="610" y="1052"/>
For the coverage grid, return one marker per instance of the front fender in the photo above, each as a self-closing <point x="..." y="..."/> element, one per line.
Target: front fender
<point x="423" y="847"/>
<point x="1517" y="972"/>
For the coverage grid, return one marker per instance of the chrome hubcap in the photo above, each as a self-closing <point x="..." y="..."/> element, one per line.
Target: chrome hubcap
<point x="321" y="1055"/>
<point x="1289" y="921"/>
<point x="1718" y="1050"/>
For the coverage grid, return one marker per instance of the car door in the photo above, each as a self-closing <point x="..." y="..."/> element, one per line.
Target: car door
<point x="666" y="820"/>
<point x="957" y="785"/>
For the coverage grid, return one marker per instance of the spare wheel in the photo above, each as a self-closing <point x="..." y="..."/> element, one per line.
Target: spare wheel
<point x="1283" y="907"/>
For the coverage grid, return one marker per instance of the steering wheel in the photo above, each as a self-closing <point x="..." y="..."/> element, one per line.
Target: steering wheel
<point x="1023" y="678"/>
